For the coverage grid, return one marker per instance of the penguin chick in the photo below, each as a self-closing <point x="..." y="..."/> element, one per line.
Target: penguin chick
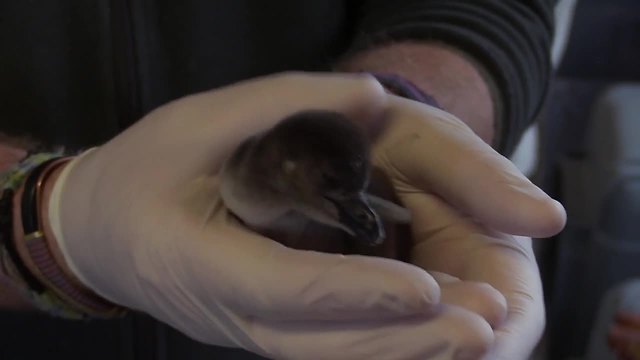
<point x="315" y="163"/>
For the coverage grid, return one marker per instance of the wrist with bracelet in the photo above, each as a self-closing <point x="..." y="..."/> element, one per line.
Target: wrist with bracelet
<point x="29" y="257"/>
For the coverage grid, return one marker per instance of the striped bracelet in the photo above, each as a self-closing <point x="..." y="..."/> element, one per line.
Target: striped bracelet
<point x="26" y="250"/>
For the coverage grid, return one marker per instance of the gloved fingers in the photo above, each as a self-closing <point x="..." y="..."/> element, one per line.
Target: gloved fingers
<point x="520" y="332"/>
<point x="477" y="297"/>
<point x="429" y="150"/>
<point x="515" y="273"/>
<point x="198" y="132"/>
<point x="508" y="264"/>
<point x="453" y="333"/>
<point x="446" y="241"/>
<point x="257" y="276"/>
<point x="434" y="220"/>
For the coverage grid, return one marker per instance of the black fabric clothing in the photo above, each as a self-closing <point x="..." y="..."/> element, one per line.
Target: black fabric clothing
<point x="77" y="73"/>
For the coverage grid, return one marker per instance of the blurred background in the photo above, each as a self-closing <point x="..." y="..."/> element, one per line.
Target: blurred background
<point x="585" y="151"/>
<point x="589" y="158"/>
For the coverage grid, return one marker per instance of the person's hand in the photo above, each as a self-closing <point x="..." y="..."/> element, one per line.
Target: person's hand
<point x="471" y="209"/>
<point x="140" y="222"/>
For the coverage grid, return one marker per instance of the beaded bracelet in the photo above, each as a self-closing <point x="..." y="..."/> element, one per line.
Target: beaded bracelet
<point x="26" y="256"/>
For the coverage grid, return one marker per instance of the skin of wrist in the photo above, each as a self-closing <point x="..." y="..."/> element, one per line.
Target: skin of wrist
<point x="455" y="81"/>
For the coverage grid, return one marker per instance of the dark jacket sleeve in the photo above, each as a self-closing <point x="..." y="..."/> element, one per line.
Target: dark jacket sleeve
<point x="511" y="39"/>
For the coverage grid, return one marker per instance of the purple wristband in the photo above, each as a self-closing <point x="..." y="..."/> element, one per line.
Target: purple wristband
<point x="405" y="88"/>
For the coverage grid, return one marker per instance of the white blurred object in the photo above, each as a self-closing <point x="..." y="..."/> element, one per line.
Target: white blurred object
<point x="525" y="156"/>
<point x="564" y="19"/>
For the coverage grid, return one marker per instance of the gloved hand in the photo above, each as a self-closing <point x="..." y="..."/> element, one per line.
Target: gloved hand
<point x="471" y="211"/>
<point x="140" y="222"/>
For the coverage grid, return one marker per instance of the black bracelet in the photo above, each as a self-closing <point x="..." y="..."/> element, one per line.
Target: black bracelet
<point x="29" y="203"/>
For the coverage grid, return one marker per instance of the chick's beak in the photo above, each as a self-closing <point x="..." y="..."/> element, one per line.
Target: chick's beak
<point x="355" y="213"/>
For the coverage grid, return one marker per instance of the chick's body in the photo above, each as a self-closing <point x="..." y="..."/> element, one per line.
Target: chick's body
<point x="315" y="163"/>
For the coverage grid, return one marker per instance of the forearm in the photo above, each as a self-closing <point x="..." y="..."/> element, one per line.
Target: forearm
<point x="457" y="84"/>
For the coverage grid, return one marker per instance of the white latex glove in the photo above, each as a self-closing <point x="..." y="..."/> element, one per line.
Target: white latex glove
<point x="469" y="205"/>
<point x="140" y="222"/>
